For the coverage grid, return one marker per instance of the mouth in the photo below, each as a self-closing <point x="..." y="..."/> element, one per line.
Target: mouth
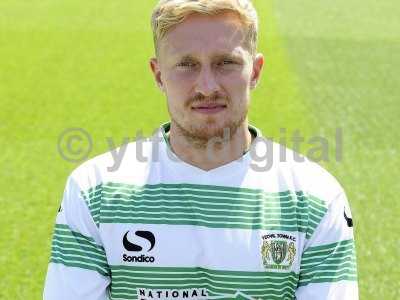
<point x="210" y="108"/>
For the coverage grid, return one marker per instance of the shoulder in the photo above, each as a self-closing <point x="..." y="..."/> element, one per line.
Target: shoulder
<point x="297" y="172"/>
<point x="325" y="197"/>
<point x="121" y="164"/>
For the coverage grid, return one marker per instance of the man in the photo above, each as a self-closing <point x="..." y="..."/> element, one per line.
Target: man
<point x="197" y="219"/>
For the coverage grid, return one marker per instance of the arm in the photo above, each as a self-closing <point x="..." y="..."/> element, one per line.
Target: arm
<point x="328" y="268"/>
<point x="78" y="266"/>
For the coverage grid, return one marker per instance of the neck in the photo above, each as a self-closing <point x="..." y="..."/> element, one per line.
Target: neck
<point x="214" y="152"/>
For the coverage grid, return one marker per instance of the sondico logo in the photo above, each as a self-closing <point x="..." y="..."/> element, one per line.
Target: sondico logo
<point x="134" y="247"/>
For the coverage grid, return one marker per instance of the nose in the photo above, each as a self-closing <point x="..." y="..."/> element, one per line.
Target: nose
<point x="206" y="83"/>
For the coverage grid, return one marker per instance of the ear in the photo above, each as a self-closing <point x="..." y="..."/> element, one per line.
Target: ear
<point x="155" y="68"/>
<point x="258" y="64"/>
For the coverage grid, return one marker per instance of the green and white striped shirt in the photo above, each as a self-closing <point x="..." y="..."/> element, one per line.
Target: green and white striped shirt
<point x="160" y="228"/>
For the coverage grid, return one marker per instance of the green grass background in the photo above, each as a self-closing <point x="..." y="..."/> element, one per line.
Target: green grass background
<point x="64" y="64"/>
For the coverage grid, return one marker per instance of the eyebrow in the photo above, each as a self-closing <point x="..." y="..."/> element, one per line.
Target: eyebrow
<point x="216" y="56"/>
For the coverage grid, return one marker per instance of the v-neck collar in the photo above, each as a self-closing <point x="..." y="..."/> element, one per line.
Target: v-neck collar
<point x="180" y="166"/>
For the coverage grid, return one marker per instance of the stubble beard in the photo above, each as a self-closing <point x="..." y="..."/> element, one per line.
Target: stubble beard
<point x="199" y="136"/>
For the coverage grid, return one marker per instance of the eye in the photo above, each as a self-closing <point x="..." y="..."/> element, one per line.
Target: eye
<point x="226" y="63"/>
<point x="186" y="64"/>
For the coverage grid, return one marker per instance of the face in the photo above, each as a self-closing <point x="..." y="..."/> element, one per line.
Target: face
<point x="206" y="71"/>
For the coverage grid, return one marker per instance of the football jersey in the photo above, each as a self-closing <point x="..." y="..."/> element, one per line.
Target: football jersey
<point x="152" y="226"/>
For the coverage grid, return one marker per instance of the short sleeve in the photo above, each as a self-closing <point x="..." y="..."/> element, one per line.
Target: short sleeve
<point x="78" y="267"/>
<point x="328" y="267"/>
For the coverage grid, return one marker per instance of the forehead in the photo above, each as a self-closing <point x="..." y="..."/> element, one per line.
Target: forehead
<point x="202" y="34"/>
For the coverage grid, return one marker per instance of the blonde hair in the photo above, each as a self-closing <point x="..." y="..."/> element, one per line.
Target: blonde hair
<point x="169" y="13"/>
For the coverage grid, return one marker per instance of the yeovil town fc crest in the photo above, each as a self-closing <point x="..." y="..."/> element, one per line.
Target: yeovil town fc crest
<point x="278" y="251"/>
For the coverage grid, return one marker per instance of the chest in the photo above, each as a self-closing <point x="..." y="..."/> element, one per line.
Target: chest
<point x="213" y="243"/>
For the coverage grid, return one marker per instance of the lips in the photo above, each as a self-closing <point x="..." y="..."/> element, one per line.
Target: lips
<point x="209" y="106"/>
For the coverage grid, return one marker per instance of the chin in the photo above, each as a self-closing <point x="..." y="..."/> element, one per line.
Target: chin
<point x="209" y="131"/>
<point x="203" y="129"/>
